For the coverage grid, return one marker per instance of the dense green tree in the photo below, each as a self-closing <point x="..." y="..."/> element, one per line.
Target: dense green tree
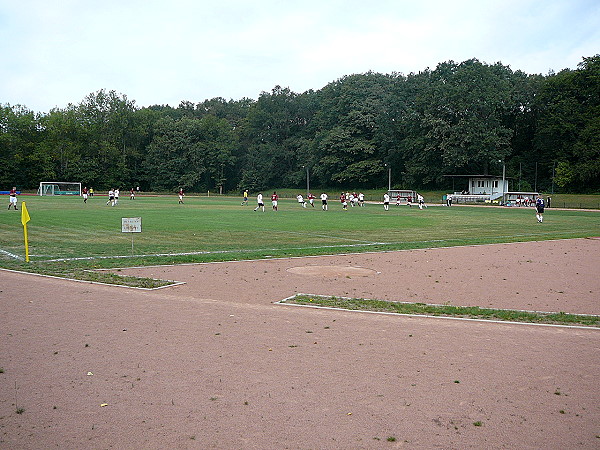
<point x="274" y="138"/>
<point x="20" y="134"/>
<point x="462" y="115"/>
<point x="190" y="153"/>
<point x="467" y="117"/>
<point x="568" y="126"/>
<point x="353" y="128"/>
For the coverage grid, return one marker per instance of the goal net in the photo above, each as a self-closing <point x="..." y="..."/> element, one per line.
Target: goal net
<point x="59" y="188"/>
<point x="403" y="195"/>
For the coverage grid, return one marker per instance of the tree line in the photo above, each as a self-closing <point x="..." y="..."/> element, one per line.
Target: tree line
<point x="460" y="118"/>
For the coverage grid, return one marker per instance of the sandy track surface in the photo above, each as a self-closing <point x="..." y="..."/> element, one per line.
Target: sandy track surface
<point x="214" y="363"/>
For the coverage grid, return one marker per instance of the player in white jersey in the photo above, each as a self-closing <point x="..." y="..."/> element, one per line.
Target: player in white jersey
<point x="259" y="201"/>
<point x="324" y="201"/>
<point x="301" y="200"/>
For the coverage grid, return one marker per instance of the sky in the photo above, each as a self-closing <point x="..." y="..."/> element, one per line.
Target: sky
<point x="156" y="52"/>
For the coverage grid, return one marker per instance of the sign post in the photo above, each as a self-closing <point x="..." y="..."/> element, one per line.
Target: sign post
<point x="131" y="225"/>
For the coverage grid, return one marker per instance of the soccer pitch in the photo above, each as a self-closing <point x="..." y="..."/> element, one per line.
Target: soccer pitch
<point x="65" y="232"/>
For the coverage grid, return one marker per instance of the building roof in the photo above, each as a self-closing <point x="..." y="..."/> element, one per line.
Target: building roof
<point x="478" y="176"/>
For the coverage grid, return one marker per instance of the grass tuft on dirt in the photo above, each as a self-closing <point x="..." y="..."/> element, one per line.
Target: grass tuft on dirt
<point x="103" y="277"/>
<point x="469" y="312"/>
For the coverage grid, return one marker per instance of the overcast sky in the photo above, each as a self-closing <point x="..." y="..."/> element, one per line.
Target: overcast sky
<point x="55" y="52"/>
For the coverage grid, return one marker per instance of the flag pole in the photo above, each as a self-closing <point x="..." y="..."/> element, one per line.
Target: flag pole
<point x="26" y="243"/>
<point x="24" y="219"/>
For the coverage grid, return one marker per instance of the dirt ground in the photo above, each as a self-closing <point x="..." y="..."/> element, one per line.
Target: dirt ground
<point x="215" y="363"/>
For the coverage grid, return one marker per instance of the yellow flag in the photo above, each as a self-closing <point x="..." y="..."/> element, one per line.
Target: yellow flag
<point x="24" y="214"/>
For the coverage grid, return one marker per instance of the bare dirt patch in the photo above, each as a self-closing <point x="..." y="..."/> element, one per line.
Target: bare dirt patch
<point x="332" y="271"/>
<point x="215" y="364"/>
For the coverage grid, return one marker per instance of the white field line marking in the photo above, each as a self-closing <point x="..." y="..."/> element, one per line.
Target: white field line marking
<point x="216" y="252"/>
<point x="12" y="255"/>
<point x="328" y="236"/>
<point x="174" y="283"/>
<point x="333" y="255"/>
<point x="331" y="308"/>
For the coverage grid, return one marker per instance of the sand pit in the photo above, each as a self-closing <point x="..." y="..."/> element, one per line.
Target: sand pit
<point x="214" y="363"/>
<point x="332" y="271"/>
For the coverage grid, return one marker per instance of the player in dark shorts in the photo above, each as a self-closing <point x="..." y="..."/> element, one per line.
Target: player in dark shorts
<point x="324" y="201"/>
<point x="539" y="209"/>
<point x="259" y="201"/>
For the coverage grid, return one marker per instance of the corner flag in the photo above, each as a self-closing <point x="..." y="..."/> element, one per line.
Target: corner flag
<point x="24" y="214"/>
<point x="24" y="219"/>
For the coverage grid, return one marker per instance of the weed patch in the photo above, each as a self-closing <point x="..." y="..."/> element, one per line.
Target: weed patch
<point x="468" y="312"/>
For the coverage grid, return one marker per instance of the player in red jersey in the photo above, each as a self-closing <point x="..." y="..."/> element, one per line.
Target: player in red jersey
<point x="274" y="200"/>
<point x="343" y="201"/>
<point x="12" y="200"/>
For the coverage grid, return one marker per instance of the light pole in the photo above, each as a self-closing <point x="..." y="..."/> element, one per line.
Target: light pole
<point x="389" y="176"/>
<point x="307" y="181"/>
<point x="503" y="179"/>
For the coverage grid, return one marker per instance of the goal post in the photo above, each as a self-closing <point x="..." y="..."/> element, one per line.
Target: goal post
<point x="59" y="188"/>
<point x="403" y="194"/>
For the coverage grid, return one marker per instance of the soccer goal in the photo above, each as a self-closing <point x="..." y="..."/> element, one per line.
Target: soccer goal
<point x="404" y="195"/>
<point x="59" y="188"/>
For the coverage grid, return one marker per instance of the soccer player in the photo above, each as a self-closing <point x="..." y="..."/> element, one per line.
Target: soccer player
<point x="132" y="194"/>
<point x="301" y="200"/>
<point x="311" y="199"/>
<point x="386" y="201"/>
<point x="84" y="193"/>
<point x="539" y="208"/>
<point x="361" y="199"/>
<point x="245" y="201"/>
<point x="259" y="200"/>
<point x="274" y="200"/>
<point x="111" y="198"/>
<point x="343" y="201"/>
<point x="324" y="201"/>
<point x="117" y="192"/>
<point x="421" y="201"/>
<point x="181" y="194"/>
<point x="398" y="199"/>
<point x="12" y="199"/>
<point x="409" y="201"/>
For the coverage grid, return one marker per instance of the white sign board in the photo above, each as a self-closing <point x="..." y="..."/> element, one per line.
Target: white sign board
<point x="131" y="224"/>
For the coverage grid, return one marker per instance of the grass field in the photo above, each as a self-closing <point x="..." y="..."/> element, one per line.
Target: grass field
<point x="66" y="234"/>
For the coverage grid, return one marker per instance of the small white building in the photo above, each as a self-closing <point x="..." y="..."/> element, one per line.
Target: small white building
<point x="481" y="188"/>
<point x="488" y="185"/>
